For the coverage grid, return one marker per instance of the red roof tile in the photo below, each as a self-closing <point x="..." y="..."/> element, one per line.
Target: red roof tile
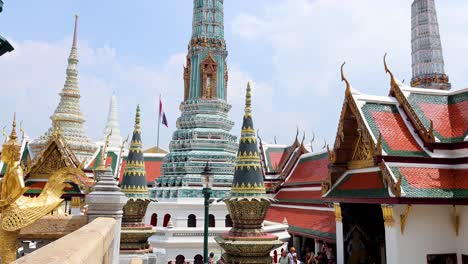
<point x="274" y="159"/>
<point x="394" y="131"/>
<point x="436" y="178"/>
<point x="363" y="180"/>
<point x="299" y="195"/>
<point x="152" y="167"/>
<point x="311" y="169"/>
<point x="314" y="222"/>
<point x="450" y="120"/>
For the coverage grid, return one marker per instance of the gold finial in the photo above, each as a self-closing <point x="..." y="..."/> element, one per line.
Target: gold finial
<point x="303" y="138"/>
<point x="297" y="133"/>
<point x="248" y="99"/>
<point x="102" y="161"/>
<point x="343" y="79"/>
<point x="125" y="142"/>
<point x="13" y="135"/>
<point x="75" y="32"/>
<point x="387" y="70"/>
<point x="324" y="144"/>
<point x="22" y="130"/>
<point x="5" y="134"/>
<point x="312" y="142"/>
<point x="137" y="118"/>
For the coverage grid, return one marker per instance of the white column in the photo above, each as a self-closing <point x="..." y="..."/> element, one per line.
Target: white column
<point x="339" y="234"/>
<point x="107" y="200"/>
<point x="339" y="243"/>
<point x="317" y="246"/>
<point x="390" y="235"/>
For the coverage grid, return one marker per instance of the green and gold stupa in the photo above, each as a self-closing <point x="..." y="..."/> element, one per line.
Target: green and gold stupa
<point x="247" y="203"/>
<point x="248" y="178"/>
<point x="134" y="183"/>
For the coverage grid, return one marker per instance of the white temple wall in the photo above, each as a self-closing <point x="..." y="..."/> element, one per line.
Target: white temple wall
<point x="429" y="230"/>
<point x="462" y="239"/>
<point x="182" y="209"/>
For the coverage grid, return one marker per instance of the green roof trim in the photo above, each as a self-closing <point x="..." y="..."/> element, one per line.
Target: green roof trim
<point x="113" y="155"/>
<point x="367" y="110"/>
<point x="301" y="183"/>
<point x="314" y="157"/>
<point x="316" y="233"/>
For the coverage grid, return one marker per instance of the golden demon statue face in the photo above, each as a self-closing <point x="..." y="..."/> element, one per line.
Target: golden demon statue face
<point x="11" y="152"/>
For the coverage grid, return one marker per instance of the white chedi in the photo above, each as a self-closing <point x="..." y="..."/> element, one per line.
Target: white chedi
<point x="112" y="124"/>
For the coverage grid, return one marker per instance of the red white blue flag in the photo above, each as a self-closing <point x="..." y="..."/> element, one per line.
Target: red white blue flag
<point x="162" y="115"/>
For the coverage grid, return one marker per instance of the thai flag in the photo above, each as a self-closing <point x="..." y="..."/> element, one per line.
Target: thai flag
<point x="162" y="115"/>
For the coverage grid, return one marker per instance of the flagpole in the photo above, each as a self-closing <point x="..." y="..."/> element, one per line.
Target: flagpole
<point x="159" y="123"/>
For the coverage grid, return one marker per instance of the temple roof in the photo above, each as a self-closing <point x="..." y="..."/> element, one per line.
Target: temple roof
<point x="309" y="223"/>
<point x="298" y="196"/>
<point x="410" y="144"/>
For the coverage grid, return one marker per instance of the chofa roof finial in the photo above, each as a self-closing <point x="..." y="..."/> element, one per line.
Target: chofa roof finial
<point x="343" y="79"/>
<point x="387" y="70"/>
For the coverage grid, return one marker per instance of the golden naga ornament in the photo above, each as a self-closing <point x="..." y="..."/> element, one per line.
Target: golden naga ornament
<point x="18" y="211"/>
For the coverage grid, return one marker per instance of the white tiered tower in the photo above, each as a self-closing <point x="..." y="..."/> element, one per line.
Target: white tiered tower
<point x="428" y="60"/>
<point x="203" y="135"/>
<point x="67" y="116"/>
<point x="112" y="124"/>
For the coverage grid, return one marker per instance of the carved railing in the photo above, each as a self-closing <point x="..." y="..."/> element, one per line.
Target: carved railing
<point x="93" y="243"/>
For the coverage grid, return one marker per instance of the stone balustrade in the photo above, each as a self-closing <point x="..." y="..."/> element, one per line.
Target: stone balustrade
<point x="89" y="244"/>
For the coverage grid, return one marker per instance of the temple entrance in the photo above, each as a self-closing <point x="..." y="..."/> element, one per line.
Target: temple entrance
<point x="363" y="233"/>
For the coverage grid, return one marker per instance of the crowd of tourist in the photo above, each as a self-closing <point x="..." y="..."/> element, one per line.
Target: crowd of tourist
<point x="325" y="256"/>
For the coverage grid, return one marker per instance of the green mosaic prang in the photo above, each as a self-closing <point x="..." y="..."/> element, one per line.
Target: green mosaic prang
<point x="367" y="110"/>
<point x="415" y="99"/>
<point x="411" y="192"/>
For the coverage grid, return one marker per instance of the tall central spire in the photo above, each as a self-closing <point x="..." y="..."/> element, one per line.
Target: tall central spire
<point x="428" y="61"/>
<point x="205" y="74"/>
<point x="203" y="128"/>
<point x="67" y="116"/>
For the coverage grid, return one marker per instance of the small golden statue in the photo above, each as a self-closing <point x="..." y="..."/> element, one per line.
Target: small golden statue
<point x="18" y="211"/>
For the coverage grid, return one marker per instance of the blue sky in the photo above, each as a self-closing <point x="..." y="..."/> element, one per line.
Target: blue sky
<point x="291" y="49"/>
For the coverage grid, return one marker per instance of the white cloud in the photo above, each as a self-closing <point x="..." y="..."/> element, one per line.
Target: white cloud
<point x="309" y="39"/>
<point x="34" y="74"/>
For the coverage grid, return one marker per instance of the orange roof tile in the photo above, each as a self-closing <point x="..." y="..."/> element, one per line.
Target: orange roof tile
<point x="311" y="169"/>
<point x="395" y="132"/>
<point x="450" y="120"/>
<point x="314" y="223"/>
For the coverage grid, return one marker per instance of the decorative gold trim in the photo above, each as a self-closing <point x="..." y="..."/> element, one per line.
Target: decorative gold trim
<point x="404" y="217"/>
<point x="338" y="217"/>
<point x="75" y="202"/>
<point x="395" y="187"/>
<point x="427" y="135"/>
<point x="387" y="213"/>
